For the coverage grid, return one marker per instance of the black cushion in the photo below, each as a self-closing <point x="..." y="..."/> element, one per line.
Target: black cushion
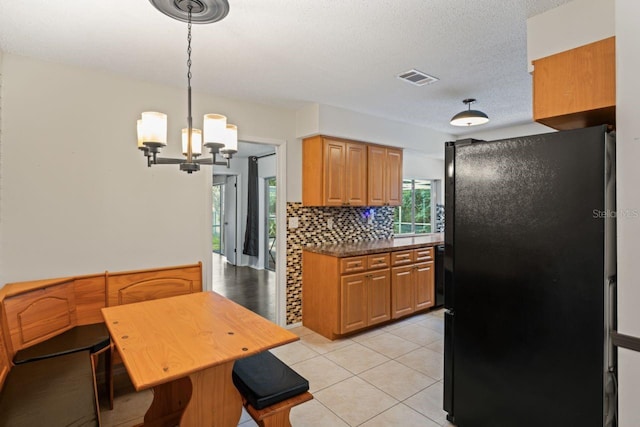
<point x="80" y="338"/>
<point x="57" y="391"/>
<point x="264" y="380"/>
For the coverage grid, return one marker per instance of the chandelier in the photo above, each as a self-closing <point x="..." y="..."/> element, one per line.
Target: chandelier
<point x="216" y="135"/>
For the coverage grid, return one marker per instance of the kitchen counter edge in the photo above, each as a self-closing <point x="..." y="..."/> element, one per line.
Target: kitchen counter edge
<point x="370" y="247"/>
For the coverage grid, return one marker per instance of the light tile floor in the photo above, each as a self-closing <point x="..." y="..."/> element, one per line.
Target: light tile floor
<point x="389" y="376"/>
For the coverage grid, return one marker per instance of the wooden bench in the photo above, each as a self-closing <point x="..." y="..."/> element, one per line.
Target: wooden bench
<point x="46" y="318"/>
<point x="269" y="388"/>
<point x="54" y="391"/>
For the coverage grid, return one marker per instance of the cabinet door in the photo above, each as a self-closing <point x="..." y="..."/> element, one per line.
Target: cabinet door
<point x="393" y="175"/>
<point x="424" y="285"/>
<point x="402" y="291"/>
<point x="353" y="303"/>
<point x="355" y="175"/>
<point x="378" y="298"/>
<point x="377" y="158"/>
<point x="576" y="88"/>
<point x="335" y="155"/>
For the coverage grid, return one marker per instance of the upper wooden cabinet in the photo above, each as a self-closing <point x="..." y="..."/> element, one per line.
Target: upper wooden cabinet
<point x="384" y="176"/>
<point x="334" y="172"/>
<point x="576" y="88"/>
<point x="340" y="172"/>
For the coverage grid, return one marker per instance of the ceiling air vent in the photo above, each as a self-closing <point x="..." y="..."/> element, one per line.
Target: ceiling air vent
<point x="417" y="78"/>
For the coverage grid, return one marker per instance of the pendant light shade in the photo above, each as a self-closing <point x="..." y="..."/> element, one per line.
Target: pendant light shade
<point x="469" y="117"/>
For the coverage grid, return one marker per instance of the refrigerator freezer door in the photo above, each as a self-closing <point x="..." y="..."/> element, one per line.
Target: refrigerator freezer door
<point x="527" y="266"/>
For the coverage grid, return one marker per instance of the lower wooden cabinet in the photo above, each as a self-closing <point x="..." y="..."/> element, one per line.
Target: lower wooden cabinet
<point x="424" y="275"/>
<point x="353" y="303"/>
<point x="379" y="297"/>
<point x="402" y="291"/>
<point x="411" y="288"/>
<point x="364" y="300"/>
<point x="345" y="295"/>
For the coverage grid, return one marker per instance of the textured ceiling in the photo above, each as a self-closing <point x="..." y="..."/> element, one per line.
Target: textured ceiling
<point x="289" y="53"/>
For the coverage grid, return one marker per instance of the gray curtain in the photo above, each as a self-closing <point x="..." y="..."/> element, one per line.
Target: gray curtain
<point x="251" y="237"/>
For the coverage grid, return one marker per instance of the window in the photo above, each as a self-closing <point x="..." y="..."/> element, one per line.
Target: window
<point x="414" y="215"/>
<point x="270" y="225"/>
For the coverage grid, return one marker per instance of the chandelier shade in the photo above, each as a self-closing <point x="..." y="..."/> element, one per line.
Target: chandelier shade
<point x="218" y="136"/>
<point x="196" y="142"/>
<point x="153" y="128"/>
<point x="469" y="117"/>
<point x="215" y="127"/>
<point x="230" y="140"/>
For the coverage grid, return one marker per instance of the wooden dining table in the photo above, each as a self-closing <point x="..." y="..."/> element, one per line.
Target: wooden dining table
<point x="185" y="347"/>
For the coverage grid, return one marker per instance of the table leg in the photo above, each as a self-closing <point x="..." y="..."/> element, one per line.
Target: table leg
<point x="215" y="401"/>
<point x="169" y="402"/>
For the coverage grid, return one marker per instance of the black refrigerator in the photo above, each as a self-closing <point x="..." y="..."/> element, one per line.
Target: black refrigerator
<point x="530" y="280"/>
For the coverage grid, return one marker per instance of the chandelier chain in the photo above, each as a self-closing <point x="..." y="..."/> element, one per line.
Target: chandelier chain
<point x="189" y="118"/>
<point x="189" y="48"/>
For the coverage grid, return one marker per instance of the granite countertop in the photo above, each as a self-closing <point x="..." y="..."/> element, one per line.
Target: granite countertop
<point x="342" y="250"/>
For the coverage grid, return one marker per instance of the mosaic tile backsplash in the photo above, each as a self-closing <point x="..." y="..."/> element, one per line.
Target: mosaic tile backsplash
<point x="350" y="224"/>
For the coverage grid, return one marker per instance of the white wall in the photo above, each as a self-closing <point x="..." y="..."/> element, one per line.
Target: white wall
<point x="338" y="122"/>
<point x="569" y="26"/>
<point x="628" y="155"/>
<point x="424" y="148"/>
<point x="416" y="165"/>
<point x="76" y="195"/>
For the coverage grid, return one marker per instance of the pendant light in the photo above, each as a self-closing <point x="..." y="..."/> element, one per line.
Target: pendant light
<point x="469" y="117"/>
<point x="216" y="135"/>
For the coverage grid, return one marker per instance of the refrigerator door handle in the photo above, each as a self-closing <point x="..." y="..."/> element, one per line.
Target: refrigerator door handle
<point x="447" y="403"/>
<point x="625" y="341"/>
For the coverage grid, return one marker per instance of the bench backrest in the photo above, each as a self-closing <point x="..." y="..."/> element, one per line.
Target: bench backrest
<point x="5" y="365"/>
<point x="38" y="310"/>
<point x="39" y="314"/>
<point x="137" y="286"/>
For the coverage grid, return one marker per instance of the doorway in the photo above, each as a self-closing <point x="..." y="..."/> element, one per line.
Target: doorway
<point x="254" y="281"/>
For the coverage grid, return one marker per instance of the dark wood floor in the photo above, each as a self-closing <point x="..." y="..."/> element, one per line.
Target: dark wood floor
<point x="251" y="288"/>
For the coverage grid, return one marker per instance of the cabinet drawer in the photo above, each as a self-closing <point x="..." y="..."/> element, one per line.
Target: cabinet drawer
<point x="353" y="264"/>
<point x="402" y="258"/>
<point x="423" y="254"/>
<point x="378" y="261"/>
